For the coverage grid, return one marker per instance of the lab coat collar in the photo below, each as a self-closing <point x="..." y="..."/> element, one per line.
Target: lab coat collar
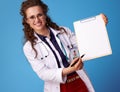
<point x="56" y="32"/>
<point x="38" y="40"/>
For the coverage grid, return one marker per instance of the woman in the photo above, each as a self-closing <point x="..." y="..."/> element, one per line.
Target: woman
<point x="48" y="48"/>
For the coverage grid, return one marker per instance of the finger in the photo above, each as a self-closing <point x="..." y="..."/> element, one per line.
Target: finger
<point x="79" y="64"/>
<point x="82" y="64"/>
<point x="74" y="61"/>
<point x="80" y="59"/>
<point x="104" y="18"/>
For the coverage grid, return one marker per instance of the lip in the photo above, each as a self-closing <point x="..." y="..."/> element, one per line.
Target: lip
<point x="38" y="24"/>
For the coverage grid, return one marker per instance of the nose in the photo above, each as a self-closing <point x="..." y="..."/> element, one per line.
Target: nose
<point x="37" y="19"/>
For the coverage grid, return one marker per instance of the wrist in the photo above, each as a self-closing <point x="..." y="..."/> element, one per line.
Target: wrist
<point x="67" y="71"/>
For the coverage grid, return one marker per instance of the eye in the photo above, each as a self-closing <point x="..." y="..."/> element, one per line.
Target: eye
<point x="32" y="17"/>
<point x="40" y="15"/>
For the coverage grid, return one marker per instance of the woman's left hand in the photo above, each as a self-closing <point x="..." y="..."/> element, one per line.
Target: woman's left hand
<point x="104" y="18"/>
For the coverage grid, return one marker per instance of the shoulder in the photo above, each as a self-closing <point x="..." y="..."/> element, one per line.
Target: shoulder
<point x="67" y="30"/>
<point x="27" y="46"/>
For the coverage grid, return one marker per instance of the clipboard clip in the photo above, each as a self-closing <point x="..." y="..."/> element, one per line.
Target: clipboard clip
<point x="88" y="19"/>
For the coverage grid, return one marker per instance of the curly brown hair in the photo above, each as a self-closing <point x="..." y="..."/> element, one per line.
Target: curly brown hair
<point x="28" y="31"/>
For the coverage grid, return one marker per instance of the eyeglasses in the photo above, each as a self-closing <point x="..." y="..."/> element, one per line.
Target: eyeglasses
<point x="32" y="18"/>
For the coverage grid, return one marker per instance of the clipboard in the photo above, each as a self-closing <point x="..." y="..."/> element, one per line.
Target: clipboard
<point x="92" y="38"/>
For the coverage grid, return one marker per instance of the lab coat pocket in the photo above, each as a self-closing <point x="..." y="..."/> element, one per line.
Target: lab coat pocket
<point x="45" y="55"/>
<point x="50" y="61"/>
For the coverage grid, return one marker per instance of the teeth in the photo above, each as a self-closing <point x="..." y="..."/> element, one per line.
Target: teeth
<point x="38" y="24"/>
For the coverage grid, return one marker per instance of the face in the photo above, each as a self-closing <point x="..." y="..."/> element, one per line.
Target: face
<point x="36" y="18"/>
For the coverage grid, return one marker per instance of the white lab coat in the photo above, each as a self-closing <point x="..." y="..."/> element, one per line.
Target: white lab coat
<point x="45" y="64"/>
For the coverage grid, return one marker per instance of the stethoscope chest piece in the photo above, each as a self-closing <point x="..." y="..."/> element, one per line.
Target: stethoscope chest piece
<point x="43" y="50"/>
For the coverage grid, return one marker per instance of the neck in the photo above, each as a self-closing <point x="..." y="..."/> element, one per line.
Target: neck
<point x="44" y="32"/>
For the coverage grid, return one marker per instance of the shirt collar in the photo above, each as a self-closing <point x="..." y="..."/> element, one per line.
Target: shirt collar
<point x="42" y="38"/>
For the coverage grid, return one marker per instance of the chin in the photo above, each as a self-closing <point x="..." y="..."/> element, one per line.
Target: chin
<point x="39" y="28"/>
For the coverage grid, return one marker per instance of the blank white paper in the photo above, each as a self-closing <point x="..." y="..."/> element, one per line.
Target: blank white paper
<point x="92" y="38"/>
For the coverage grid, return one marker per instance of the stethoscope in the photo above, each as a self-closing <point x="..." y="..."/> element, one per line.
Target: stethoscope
<point x="64" y="40"/>
<point x="44" y="52"/>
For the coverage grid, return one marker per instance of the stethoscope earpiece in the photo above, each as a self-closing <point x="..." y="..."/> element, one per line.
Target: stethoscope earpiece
<point x="41" y="58"/>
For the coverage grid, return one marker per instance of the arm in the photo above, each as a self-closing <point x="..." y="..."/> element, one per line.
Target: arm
<point x="40" y="68"/>
<point x="79" y="64"/>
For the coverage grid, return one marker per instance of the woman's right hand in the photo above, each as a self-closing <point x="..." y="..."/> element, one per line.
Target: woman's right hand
<point x="77" y="66"/>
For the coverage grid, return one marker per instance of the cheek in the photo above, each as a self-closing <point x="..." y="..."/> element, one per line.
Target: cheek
<point x="28" y="23"/>
<point x="44" y="19"/>
<point x="31" y="25"/>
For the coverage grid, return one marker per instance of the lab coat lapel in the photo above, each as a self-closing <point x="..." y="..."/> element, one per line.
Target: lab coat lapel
<point x="61" y="40"/>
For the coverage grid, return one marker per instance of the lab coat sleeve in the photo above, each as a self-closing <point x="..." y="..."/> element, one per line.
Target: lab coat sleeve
<point x="45" y="73"/>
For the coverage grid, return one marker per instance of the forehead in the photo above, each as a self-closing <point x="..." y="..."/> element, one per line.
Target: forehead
<point x="34" y="10"/>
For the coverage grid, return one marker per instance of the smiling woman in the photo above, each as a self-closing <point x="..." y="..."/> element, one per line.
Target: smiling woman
<point x="16" y="75"/>
<point x="36" y="19"/>
<point x="56" y="69"/>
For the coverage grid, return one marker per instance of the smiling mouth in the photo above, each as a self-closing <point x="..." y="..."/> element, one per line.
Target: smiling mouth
<point x="38" y="24"/>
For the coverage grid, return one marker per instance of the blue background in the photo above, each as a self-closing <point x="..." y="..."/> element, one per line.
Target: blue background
<point x="16" y="75"/>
